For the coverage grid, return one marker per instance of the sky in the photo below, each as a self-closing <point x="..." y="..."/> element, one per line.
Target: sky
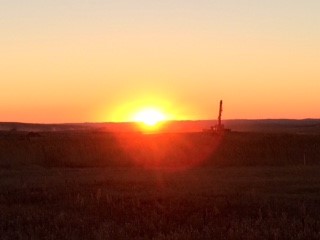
<point x="101" y="60"/>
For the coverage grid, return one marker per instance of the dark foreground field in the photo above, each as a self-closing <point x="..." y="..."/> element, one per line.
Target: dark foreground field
<point x="173" y="150"/>
<point x="86" y="185"/>
<point x="206" y="203"/>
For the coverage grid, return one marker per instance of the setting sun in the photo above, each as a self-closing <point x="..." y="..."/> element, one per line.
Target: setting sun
<point x="149" y="117"/>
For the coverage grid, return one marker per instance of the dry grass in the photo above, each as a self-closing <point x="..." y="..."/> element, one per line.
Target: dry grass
<point x="120" y="203"/>
<point x="85" y="149"/>
<point x="82" y="185"/>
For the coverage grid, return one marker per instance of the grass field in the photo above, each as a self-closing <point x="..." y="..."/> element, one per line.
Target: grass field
<point x="119" y="203"/>
<point x="175" y="150"/>
<point x="165" y="186"/>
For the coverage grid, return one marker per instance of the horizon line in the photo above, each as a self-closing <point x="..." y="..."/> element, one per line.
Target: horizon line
<point x="182" y="120"/>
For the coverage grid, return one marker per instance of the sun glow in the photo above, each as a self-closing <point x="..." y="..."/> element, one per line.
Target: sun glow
<point x="149" y="117"/>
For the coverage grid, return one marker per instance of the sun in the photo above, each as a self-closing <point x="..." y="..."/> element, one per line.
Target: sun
<point x="149" y="117"/>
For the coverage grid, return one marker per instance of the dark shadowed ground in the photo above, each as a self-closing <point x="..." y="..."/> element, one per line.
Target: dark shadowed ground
<point x="84" y="185"/>
<point x="206" y="203"/>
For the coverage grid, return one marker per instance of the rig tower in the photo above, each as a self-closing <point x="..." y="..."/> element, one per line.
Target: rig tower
<point x="218" y="128"/>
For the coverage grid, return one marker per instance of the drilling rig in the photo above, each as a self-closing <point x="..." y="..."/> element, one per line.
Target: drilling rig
<point x="219" y="127"/>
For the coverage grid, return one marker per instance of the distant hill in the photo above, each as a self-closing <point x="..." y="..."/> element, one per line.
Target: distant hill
<point x="305" y="126"/>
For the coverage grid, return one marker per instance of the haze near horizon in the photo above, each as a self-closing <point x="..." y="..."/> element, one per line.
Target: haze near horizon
<point x="99" y="61"/>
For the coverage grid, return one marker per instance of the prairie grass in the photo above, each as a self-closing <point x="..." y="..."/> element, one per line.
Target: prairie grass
<point x="175" y="150"/>
<point x="122" y="203"/>
<point x="84" y="185"/>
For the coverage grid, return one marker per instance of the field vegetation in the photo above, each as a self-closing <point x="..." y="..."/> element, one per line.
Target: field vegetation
<point x="176" y="150"/>
<point x="85" y="185"/>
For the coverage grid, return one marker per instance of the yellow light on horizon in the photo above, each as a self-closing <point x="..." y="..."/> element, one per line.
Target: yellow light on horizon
<point x="149" y="117"/>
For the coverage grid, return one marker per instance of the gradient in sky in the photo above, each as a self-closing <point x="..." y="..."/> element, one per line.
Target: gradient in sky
<point x="100" y="60"/>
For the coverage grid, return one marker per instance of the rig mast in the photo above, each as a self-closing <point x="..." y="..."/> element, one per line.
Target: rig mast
<point x="220" y="126"/>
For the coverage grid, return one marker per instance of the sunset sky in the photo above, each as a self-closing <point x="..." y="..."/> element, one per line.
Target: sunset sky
<point x="103" y="60"/>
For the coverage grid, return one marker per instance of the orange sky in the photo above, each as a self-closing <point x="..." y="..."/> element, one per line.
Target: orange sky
<point x="88" y="61"/>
